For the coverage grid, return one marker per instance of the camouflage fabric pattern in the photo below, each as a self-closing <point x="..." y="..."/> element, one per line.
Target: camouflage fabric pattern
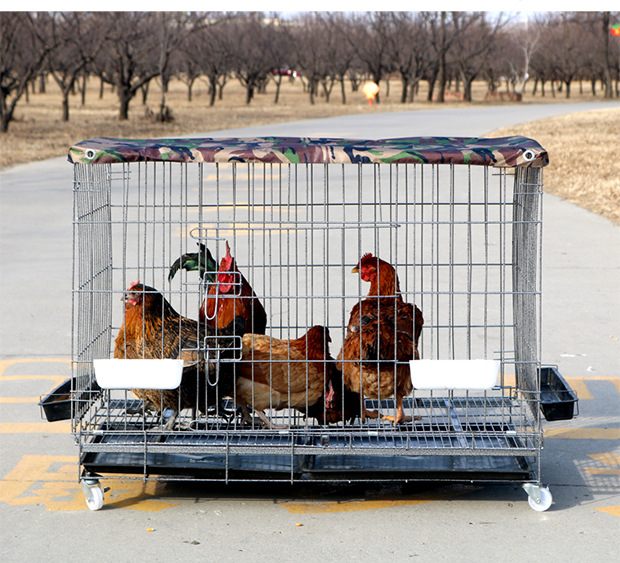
<point x="502" y="151"/>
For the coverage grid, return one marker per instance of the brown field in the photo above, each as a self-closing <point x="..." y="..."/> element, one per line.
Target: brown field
<point x="584" y="167"/>
<point x="38" y="132"/>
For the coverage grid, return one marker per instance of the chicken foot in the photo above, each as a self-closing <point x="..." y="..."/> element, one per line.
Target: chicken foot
<point x="400" y="417"/>
<point x="247" y="419"/>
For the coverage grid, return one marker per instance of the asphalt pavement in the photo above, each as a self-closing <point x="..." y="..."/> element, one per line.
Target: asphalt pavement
<point x="42" y="508"/>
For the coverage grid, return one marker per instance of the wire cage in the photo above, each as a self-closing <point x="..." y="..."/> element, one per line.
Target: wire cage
<point x="458" y="219"/>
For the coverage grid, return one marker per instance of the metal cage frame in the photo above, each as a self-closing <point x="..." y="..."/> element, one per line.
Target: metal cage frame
<point x="465" y="240"/>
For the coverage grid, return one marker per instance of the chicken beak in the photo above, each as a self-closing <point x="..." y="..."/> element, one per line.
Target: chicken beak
<point x="355" y="270"/>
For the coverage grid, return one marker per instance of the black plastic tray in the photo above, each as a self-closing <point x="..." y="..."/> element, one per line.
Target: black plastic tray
<point x="56" y="405"/>
<point x="557" y="399"/>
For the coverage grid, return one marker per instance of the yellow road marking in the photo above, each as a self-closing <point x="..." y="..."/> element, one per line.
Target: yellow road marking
<point x="350" y="506"/>
<point x="57" y="380"/>
<point x="602" y="471"/>
<point x="615" y="381"/>
<point x="607" y="458"/>
<point x="59" y="427"/>
<point x="19" y="399"/>
<point x="613" y="510"/>
<point x="36" y="377"/>
<point x="583" y="433"/>
<point x="579" y="386"/>
<point x="6" y="364"/>
<point x="359" y="505"/>
<point x="53" y="481"/>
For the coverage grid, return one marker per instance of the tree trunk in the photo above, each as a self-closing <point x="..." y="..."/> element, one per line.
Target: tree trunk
<point x="249" y="92"/>
<point x="607" y="70"/>
<point x="311" y="89"/>
<point x="343" y="90"/>
<point x="65" y="105"/>
<point x="83" y="89"/>
<point x="567" y="82"/>
<point x="278" y="83"/>
<point x="467" y="89"/>
<point x="145" y="92"/>
<point x="213" y="90"/>
<point x="441" y="78"/>
<point x="431" y="89"/>
<point x="403" y="95"/>
<point x="123" y="98"/>
<point x="412" y="90"/>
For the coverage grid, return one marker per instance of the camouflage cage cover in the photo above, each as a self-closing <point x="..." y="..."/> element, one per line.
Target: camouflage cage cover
<point x="501" y="151"/>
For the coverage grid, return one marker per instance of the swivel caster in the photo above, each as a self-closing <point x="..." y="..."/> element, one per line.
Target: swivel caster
<point x="540" y="498"/>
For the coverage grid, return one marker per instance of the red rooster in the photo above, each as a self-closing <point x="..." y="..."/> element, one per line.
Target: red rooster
<point x="230" y="297"/>
<point x="382" y="337"/>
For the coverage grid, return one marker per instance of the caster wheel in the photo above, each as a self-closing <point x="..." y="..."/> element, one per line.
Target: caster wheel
<point x="545" y="500"/>
<point x="94" y="495"/>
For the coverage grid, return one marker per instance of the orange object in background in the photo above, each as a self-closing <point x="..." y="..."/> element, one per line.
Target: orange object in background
<point x="370" y="90"/>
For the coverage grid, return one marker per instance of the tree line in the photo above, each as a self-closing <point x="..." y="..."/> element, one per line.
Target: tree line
<point x="328" y="52"/>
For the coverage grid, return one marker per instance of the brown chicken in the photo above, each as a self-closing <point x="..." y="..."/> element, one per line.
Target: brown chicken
<point x="232" y="296"/>
<point x="152" y="329"/>
<point x="382" y="337"/>
<point x="276" y="374"/>
<point x="338" y="403"/>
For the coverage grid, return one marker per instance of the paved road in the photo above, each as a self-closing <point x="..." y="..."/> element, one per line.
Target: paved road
<point x="42" y="509"/>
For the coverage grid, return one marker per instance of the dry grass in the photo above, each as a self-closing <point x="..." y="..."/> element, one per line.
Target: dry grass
<point x="38" y="133"/>
<point x="584" y="167"/>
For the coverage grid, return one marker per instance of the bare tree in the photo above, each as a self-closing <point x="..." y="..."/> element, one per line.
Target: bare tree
<point x="23" y="52"/>
<point x="77" y="35"/>
<point x="173" y="29"/>
<point x="369" y="37"/>
<point x="408" y="45"/>
<point x="564" y="36"/>
<point x="129" y="59"/>
<point x="474" y="38"/>
<point x="440" y="44"/>
<point x="211" y="48"/>
<point x="252" y="61"/>
<point x="311" y="37"/>
<point x="342" y="56"/>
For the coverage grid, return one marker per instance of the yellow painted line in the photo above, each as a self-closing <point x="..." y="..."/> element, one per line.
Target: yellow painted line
<point x="607" y="458"/>
<point x="602" y="471"/>
<point x="350" y="506"/>
<point x="35" y="377"/>
<point x="57" y="380"/>
<point x="59" y="427"/>
<point x="613" y="510"/>
<point x="360" y="505"/>
<point x="615" y="381"/>
<point x="583" y="433"/>
<point x="52" y="481"/>
<point x="6" y="364"/>
<point x="579" y="386"/>
<point x="19" y="399"/>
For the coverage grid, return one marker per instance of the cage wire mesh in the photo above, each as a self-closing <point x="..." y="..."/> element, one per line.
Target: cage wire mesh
<point x="465" y="243"/>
